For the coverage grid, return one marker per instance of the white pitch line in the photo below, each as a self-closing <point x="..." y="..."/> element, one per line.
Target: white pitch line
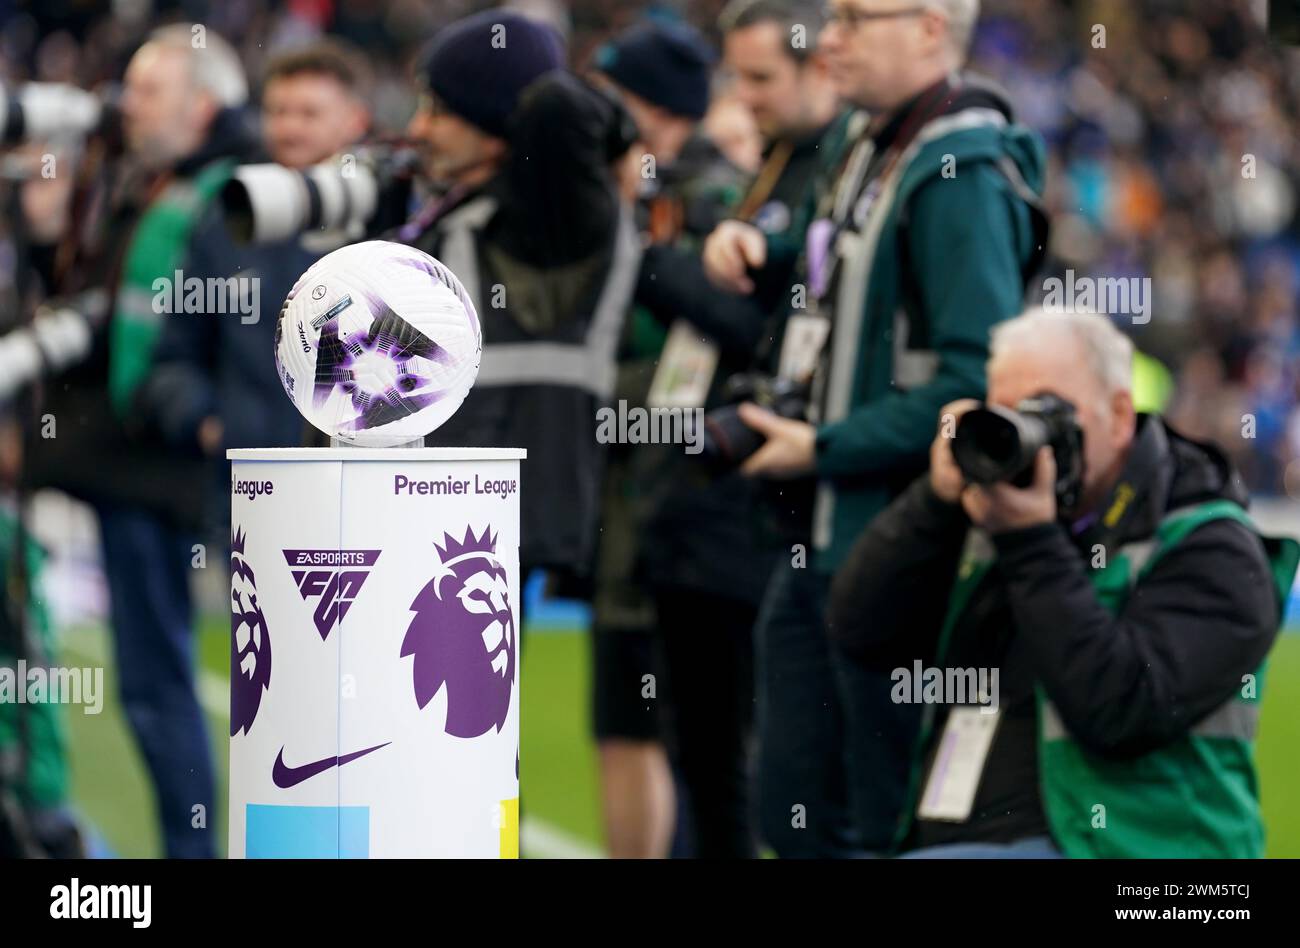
<point x="541" y="840"/>
<point x="538" y="839"/>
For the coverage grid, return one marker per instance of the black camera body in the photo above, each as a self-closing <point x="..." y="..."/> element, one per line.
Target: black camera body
<point x="728" y="441"/>
<point x="994" y="444"/>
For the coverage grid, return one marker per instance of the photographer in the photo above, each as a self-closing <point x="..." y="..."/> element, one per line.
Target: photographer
<point x="184" y="133"/>
<point x="213" y="385"/>
<point x="925" y="241"/>
<point x="703" y="553"/>
<point x="1123" y="596"/>
<point x="530" y="221"/>
<point x="683" y="185"/>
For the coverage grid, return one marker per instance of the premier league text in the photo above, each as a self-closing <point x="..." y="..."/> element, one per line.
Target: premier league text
<point x="450" y="485"/>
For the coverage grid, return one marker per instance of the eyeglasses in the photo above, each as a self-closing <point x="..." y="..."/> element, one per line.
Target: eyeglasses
<point x="851" y="17"/>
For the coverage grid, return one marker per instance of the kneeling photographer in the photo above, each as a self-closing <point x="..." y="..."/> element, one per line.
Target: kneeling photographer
<point x="1100" y="571"/>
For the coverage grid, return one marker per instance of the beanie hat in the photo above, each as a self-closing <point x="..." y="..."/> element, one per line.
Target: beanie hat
<point x="667" y="64"/>
<point x="479" y="66"/>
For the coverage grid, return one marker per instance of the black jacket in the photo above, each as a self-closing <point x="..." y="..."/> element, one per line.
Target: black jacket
<point x="537" y="268"/>
<point x="1124" y="685"/>
<point x="214" y="364"/>
<point x="708" y="531"/>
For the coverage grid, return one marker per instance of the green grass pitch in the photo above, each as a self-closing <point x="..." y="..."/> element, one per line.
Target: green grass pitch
<point x="557" y="760"/>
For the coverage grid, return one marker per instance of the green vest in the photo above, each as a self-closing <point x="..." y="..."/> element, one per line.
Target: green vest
<point x="157" y="251"/>
<point x="32" y="735"/>
<point x="1195" y="798"/>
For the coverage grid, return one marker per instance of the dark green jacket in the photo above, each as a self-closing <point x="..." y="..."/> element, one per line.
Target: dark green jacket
<point x="942" y="256"/>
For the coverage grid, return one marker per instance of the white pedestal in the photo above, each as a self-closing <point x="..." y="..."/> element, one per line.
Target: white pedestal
<point x="374" y="652"/>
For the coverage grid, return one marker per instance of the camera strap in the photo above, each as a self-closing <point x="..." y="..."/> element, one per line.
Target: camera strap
<point x="1139" y="493"/>
<point x="865" y="175"/>
<point x="765" y="183"/>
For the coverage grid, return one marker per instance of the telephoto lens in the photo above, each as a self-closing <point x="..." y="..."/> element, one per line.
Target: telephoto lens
<point x="269" y="202"/>
<point x="60" y="335"/>
<point x="37" y="111"/>
<point x="356" y="193"/>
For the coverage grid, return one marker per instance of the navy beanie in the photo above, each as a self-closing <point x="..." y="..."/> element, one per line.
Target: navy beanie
<point x="478" y="66"/>
<point x="667" y="64"/>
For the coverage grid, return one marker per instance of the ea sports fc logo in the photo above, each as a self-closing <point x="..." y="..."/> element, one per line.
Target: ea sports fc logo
<point x="463" y="635"/>
<point x="333" y="577"/>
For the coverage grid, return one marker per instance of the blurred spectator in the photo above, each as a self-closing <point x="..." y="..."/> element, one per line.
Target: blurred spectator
<point x="1173" y="132"/>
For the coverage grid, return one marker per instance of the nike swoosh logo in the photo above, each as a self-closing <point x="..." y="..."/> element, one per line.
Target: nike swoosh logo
<point x="285" y="777"/>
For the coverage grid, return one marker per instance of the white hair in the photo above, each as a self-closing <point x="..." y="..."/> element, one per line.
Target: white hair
<point x="961" y="16"/>
<point x="1108" y="351"/>
<point x="214" y="65"/>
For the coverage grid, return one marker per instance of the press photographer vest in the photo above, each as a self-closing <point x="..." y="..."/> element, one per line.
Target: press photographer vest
<point x="582" y="354"/>
<point x="1196" y="797"/>
<point x="876" y="350"/>
<point x="538" y="387"/>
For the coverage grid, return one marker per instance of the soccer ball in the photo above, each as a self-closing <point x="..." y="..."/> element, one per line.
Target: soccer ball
<point x="377" y="344"/>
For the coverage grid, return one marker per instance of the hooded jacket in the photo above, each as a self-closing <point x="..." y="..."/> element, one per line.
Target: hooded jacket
<point x="931" y="245"/>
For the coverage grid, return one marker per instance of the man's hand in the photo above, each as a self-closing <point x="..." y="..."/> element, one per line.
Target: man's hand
<point x="730" y="251"/>
<point x="945" y="477"/>
<point x="211" y="432"/>
<point x="1001" y="508"/>
<point x="790" y="450"/>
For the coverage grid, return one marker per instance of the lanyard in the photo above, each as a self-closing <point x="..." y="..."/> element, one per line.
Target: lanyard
<point x="766" y="181"/>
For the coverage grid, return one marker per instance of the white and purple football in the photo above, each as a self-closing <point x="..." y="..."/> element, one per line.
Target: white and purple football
<point x="378" y="344"/>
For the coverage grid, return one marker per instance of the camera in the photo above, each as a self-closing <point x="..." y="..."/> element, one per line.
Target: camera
<point x="60" y="334"/>
<point x="37" y="111"/>
<point x="728" y="441"/>
<point x="994" y="444"/>
<point x="362" y="192"/>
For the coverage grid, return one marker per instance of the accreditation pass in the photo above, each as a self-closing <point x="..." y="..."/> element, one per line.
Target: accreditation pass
<point x="958" y="765"/>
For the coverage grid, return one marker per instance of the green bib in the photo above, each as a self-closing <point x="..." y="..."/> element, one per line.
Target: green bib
<point x="157" y="251"/>
<point x="1197" y="797"/>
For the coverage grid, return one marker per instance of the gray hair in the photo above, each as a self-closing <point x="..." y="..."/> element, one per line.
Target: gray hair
<point x="961" y="15"/>
<point x="1108" y="351"/>
<point x="214" y="65"/>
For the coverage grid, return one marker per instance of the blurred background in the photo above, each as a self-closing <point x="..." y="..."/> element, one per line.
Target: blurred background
<point x="1173" y="156"/>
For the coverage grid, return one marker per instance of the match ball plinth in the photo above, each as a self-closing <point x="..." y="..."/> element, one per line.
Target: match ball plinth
<point x="374" y="692"/>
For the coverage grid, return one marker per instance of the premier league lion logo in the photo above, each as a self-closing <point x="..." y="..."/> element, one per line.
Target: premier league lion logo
<point x="463" y="636"/>
<point x="250" y="642"/>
